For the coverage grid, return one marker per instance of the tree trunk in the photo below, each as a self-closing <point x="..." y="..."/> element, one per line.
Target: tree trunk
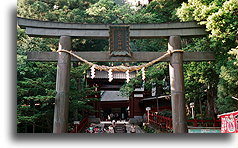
<point x="210" y="102"/>
<point x="200" y="106"/>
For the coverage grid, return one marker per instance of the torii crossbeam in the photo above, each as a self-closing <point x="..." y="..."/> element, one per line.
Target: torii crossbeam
<point x="67" y="31"/>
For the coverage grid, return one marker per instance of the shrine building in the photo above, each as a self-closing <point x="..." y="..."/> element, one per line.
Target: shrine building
<point x="132" y="108"/>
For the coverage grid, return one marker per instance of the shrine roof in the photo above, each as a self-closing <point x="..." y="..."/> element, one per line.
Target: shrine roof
<point x="113" y="96"/>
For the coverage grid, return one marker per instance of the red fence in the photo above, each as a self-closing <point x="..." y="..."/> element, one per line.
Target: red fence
<point x="161" y="121"/>
<point x="166" y="123"/>
<point x="79" y="127"/>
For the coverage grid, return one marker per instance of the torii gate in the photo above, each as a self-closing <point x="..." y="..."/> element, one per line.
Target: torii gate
<point x="67" y="31"/>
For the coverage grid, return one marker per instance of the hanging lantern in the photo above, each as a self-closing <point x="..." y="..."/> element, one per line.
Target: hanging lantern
<point x="143" y="73"/>
<point x="93" y="71"/>
<point x="127" y="76"/>
<point x="110" y="76"/>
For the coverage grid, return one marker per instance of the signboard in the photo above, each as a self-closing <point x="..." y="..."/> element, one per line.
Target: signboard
<point x="229" y="122"/>
<point x="139" y="89"/>
<point x="76" y="122"/>
<point x="138" y="95"/>
<point x="148" y="108"/>
<point x="119" y="40"/>
<point x="191" y="105"/>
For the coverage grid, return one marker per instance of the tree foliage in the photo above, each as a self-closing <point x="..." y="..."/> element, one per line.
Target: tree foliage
<point x="220" y="19"/>
<point x="227" y="86"/>
<point x="36" y="80"/>
<point x="219" y="16"/>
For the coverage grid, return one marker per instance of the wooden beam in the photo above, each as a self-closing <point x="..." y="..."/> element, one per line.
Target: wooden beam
<point x="47" y="32"/>
<point x="37" y="28"/>
<point x="184" y="32"/>
<point x="104" y="56"/>
<point x="24" y="23"/>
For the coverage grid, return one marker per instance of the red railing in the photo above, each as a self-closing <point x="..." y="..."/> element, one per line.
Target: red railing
<point x="161" y="121"/>
<point x="79" y="127"/>
<point x="165" y="123"/>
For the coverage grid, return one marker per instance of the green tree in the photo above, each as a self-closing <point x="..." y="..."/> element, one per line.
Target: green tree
<point x="227" y="86"/>
<point x="36" y="80"/>
<point x="220" y="19"/>
<point x="218" y="16"/>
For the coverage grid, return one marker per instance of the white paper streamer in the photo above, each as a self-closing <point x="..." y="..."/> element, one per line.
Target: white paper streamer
<point x="93" y="71"/>
<point x="110" y="76"/>
<point x="127" y="76"/>
<point x="143" y="73"/>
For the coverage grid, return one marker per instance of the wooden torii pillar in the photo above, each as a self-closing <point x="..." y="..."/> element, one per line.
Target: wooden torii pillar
<point x="177" y="86"/>
<point x="65" y="31"/>
<point x="62" y="87"/>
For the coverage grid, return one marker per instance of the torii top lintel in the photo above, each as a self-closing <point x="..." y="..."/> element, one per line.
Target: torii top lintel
<point x="36" y="28"/>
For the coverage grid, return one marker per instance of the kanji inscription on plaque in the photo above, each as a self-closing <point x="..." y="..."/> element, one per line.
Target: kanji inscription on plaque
<point x="119" y="40"/>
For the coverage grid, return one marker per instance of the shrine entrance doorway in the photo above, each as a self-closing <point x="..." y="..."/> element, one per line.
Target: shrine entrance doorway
<point x="111" y="99"/>
<point x="112" y="103"/>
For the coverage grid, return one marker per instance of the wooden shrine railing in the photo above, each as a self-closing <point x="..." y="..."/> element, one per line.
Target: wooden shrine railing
<point x="162" y="121"/>
<point x="166" y="123"/>
<point x="79" y="127"/>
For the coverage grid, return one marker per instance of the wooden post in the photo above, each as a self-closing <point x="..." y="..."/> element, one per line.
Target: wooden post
<point x="62" y="87"/>
<point x="177" y="86"/>
<point x="131" y="106"/>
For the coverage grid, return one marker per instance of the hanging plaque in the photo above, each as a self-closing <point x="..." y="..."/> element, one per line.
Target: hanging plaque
<point x="119" y="40"/>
